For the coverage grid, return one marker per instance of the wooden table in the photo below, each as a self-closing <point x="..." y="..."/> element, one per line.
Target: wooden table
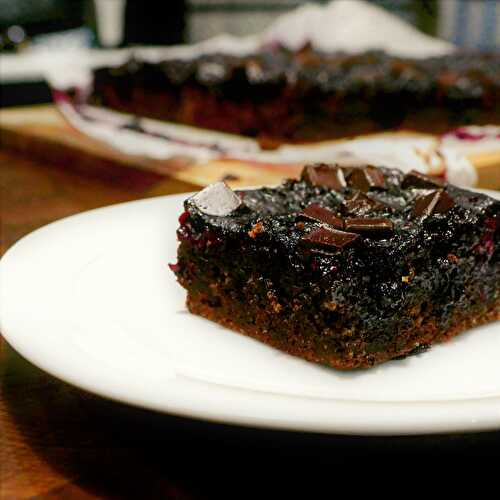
<point x="58" y="442"/>
<point x="49" y="138"/>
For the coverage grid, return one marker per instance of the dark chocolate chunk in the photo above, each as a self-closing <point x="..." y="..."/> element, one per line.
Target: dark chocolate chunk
<point x="437" y="201"/>
<point x="265" y="68"/>
<point x="360" y="204"/>
<point x="415" y="179"/>
<point x="366" y="178"/>
<point x="329" y="238"/>
<point x="179" y="71"/>
<point x="330" y="176"/>
<point x="318" y="213"/>
<point x="370" y="226"/>
<point x="445" y="203"/>
<point x="215" y="69"/>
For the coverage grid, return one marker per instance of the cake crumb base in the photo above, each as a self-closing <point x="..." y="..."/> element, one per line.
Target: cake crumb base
<point x="224" y="315"/>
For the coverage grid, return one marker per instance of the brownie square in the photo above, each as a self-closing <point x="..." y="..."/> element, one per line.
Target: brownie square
<point x="280" y="96"/>
<point x="347" y="267"/>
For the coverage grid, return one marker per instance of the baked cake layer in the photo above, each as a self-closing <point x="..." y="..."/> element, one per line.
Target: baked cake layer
<point x="347" y="267"/>
<point x="281" y="96"/>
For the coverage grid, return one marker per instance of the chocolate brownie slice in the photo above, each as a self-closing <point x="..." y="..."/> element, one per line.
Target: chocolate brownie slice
<point x="348" y="267"/>
<point x="281" y="96"/>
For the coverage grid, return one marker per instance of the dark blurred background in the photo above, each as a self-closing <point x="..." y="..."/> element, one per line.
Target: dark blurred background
<point x="27" y="25"/>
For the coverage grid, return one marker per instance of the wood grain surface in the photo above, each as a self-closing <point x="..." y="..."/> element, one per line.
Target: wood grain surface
<point x="41" y="133"/>
<point x="58" y="442"/>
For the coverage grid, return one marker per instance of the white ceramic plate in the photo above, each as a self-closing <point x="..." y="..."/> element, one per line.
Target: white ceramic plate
<point x="91" y="300"/>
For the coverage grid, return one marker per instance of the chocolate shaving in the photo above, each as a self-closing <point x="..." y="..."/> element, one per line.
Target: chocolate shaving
<point x="366" y="178"/>
<point x="329" y="176"/>
<point x="317" y="213"/>
<point x="360" y="204"/>
<point x="329" y="238"/>
<point x="434" y="202"/>
<point x="370" y="226"/>
<point x="415" y="179"/>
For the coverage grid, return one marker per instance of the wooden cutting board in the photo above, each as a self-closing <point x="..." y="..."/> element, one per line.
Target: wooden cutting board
<point x="41" y="133"/>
